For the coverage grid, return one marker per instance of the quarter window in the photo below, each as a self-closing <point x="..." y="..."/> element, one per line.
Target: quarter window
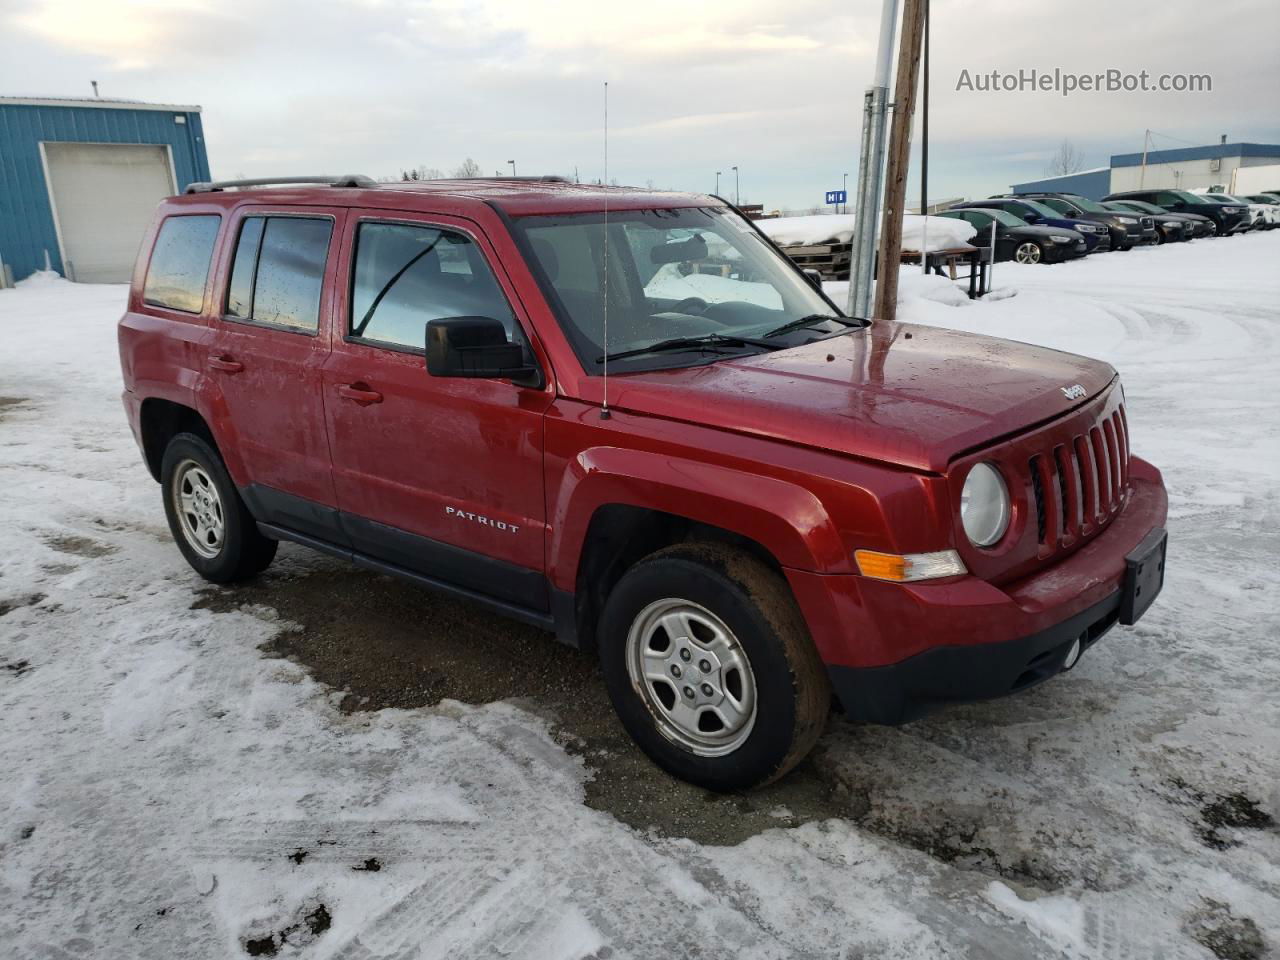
<point x="179" y="264"/>
<point x="407" y="275"/>
<point x="278" y="271"/>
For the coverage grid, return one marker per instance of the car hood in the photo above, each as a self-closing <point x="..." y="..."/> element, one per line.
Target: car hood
<point x="904" y="394"/>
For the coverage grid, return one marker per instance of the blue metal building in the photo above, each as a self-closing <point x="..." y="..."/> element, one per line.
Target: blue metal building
<point x="1094" y="184"/>
<point x="79" y="180"/>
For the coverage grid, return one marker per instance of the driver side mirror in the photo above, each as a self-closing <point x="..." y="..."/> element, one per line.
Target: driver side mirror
<point x="1030" y="217"/>
<point x="477" y="347"/>
<point x="814" y="277"/>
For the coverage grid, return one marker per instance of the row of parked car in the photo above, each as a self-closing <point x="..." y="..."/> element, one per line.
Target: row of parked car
<point x="1053" y="227"/>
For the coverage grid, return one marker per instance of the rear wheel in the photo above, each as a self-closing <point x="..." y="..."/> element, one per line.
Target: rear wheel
<point x="710" y="666"/>
<point x="207" y="518"/>
<point x="1028" y="252"/>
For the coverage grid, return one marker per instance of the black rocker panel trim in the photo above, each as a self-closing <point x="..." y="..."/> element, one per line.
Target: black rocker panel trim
<point x="515" y="590"/>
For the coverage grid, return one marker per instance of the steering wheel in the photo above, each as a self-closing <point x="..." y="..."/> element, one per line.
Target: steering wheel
<point x="697" y="304"/>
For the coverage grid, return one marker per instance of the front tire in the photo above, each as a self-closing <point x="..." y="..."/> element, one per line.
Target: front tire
<point x="710" y="667"/>
<point x="207" y="518"/>
<point x="1028" y="252"/>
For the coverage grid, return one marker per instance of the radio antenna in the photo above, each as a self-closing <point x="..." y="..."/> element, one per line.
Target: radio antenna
<point x="604" y="409"/>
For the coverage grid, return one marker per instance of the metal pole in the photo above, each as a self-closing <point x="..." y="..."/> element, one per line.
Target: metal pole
<point x="717" y="183"/>
<point x="871" y="168"/>
<point x="513" y="167"/>
<point x="1142" y="173"/>
<point x="924" y="145"/>
<point x="737" y="194"/>
<point x="846" y="192"/>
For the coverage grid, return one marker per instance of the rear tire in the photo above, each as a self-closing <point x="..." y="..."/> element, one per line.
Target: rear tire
<point x="207" y="518"/>
<point x="710" y="666"/>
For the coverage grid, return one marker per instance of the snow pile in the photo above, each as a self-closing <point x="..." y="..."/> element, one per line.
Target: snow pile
<point x="41" y="278"/>
<point x="670" y="284"/>
<point x="944" y="233"/>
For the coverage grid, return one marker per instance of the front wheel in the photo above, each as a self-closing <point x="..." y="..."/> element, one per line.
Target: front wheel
<point x="207" y="518"/>
<point x="1028" y="252"/>
<point x="710" y="667"/>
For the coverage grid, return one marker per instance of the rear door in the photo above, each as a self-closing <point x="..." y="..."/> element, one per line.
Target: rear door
<point x="442" y="476"/>
<point x="268" y="353"/>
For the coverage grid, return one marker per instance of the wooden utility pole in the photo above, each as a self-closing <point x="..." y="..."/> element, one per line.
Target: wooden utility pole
<point x="895" y="189"/>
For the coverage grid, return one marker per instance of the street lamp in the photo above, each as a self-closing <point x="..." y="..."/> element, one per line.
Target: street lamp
<point x="717" y="183"/>
<point x="513" y="167"/>
<point x="737" y="194"/>
<point x="845" y="188"/>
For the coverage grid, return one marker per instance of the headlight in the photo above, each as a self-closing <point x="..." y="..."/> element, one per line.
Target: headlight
<point x="1059" y="239"/>
<point x="1126" y="219"/>
<point x="984" y="505"/>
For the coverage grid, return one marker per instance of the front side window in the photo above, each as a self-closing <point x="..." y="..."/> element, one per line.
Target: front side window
<point x="697" y="276"/>
<point x="179" y="265"/>
<point x="407" y="275"/>
<point x="278" y="271"/>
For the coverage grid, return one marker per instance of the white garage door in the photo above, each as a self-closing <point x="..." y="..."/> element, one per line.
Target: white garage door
<point x="104" y="195"/>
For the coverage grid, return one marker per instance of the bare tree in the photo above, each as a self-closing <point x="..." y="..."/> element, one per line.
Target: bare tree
<point x="1066" y="159"/>
<point x="469" y="168"/>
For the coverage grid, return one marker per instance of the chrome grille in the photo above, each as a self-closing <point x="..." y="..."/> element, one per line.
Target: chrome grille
<point x="1079" y="483"/>
<point x="1148" y="223"/>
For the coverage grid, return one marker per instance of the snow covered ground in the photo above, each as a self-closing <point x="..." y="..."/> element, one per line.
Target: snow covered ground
<point x="169" y="789"/>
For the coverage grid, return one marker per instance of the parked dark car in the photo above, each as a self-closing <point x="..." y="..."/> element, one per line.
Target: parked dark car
<point x="1227" y="218"/>
<point x="1096" y="235"/>
<point x="1127" y="231"/>
<point x="1018" y="240"/>
<point x="1196" y="224"/>
<point x="1169" y="228"/>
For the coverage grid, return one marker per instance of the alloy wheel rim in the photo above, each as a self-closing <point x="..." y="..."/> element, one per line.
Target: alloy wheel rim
<point x="693" y="676"/>
<point x="199" y="509"/>
<point x="1028" y="253"/>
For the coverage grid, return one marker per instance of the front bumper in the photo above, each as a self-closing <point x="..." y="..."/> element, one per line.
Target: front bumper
<point x="897" y="651"/>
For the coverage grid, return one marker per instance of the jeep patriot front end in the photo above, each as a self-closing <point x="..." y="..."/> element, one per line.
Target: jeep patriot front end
<point x="777" y="502"/>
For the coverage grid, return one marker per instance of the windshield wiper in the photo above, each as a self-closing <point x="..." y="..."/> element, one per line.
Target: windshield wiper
<point x="693" y="343"/>
<point x="802" y="323"/>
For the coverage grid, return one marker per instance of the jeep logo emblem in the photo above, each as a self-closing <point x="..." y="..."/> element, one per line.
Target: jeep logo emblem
<point x="1073" y="392"/>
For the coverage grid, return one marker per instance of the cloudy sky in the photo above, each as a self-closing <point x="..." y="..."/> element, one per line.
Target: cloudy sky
<point x="696" y="86"/>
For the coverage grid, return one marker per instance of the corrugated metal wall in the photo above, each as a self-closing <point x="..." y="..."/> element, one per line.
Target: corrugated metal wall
<point x="26" y="218"/>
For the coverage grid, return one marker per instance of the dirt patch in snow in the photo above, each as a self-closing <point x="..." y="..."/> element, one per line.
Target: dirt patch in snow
<point x="10" y="403"/>
<point x="15" y="603"/>
<point x="385" y="643"/>
<point x="79" y="546"/>
<point x="1224" y="934"/>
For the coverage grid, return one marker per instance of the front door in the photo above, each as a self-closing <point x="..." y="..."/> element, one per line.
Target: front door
<point x="269" y="349"/>
<point x="441" y="476"/>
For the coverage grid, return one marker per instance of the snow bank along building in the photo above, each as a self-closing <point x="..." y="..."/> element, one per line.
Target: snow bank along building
<point x="80" y="179"/>
<point x="1237" y="167"/>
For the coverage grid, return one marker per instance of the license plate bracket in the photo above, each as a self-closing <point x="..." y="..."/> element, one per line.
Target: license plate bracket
<point x="1143" y="576"/>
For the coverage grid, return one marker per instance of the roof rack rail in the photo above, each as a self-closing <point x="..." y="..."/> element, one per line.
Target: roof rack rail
<point x="544" y="178"/>
<point x="347" y="180"/>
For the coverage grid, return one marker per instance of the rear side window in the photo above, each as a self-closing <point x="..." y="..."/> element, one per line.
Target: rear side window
<point x="278" y="271"/>
<point x="407" y="275"/>
<point x="180" y="263"/>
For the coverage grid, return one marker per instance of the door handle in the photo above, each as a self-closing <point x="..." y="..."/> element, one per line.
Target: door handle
<point x="225" y="364"/>
<point x="359" y="393"/>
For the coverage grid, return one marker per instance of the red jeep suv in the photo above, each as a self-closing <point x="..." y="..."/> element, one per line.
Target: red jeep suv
<point x="626" y="417"/>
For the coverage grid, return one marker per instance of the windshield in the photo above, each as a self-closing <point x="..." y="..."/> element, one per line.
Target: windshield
<point x="1092" y="206"/>
<point x="1189" y="197"/>
<point x="1041" y="209"/>
<point x="692" y="273"/>
<point x="1005" y="217"/>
